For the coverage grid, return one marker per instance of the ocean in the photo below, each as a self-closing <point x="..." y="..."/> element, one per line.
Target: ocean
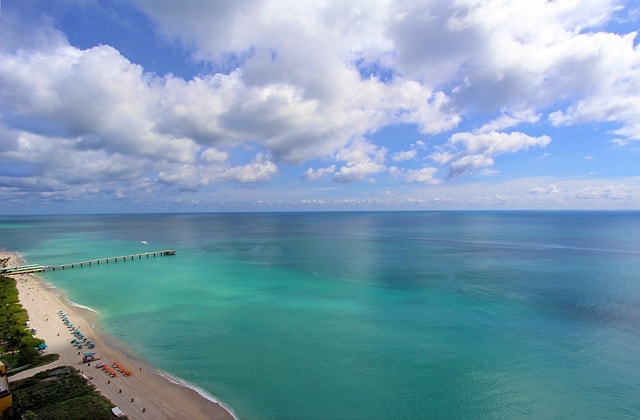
<point x="368" y="315"/>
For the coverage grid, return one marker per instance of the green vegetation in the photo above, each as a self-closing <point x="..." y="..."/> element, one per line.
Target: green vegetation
<point x="18" y="346"/>
<point x="59" y="393"/>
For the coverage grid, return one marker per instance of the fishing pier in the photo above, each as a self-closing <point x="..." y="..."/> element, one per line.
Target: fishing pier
<point x="35" y="268"/>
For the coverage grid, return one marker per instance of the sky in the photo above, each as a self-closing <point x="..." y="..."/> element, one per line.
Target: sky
<point x="116" y="106"/>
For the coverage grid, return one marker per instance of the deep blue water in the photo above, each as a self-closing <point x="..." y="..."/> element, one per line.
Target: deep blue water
<point x="369" y="315"/>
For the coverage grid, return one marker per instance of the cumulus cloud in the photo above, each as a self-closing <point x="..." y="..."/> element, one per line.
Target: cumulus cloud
<point x="424" y="175"/>
<point x="298" y="81"/>
<point x="311" y="81"/>
<point x="260" y="170"/>
<point x="404" y="155"/>
<point x="469" y="151"/>
<point x="610" y="95"/>
<point x="610" y="192"/>
<point x="548" y="190"/>
<point x="357" y="171"/>
<point x="193" y="177"/>
<point x="185" y="177"/>
<point x="407" y="155"/>
<point x="213" y="155"/>
<point x="361" y="160"/>
<point x="497" y="142"/>
<point x="510" y="119"/>
<point x="313" y="175"/>
<point x="469" y="163"/>
<point x="69" y="90"/>
<point x="531" y="54"/>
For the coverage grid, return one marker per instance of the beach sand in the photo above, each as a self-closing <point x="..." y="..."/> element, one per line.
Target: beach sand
<point x="145" y="390"/>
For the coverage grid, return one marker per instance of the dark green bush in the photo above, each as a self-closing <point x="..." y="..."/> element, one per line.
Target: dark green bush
<point x="59" y="393"/>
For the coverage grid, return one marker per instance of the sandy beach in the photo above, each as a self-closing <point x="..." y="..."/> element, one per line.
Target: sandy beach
<point x="144" y="395"/>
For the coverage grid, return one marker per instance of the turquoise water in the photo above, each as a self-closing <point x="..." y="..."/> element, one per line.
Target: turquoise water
<point x="369" y="315"/>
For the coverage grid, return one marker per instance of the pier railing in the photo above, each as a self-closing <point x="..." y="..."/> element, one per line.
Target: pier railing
<point x="35" y="268"/>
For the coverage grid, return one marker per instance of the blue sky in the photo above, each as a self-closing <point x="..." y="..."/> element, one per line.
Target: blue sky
<point x="202" y="105"/>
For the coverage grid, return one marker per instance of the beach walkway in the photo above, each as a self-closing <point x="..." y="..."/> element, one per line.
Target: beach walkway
<point x="30" y="372"/>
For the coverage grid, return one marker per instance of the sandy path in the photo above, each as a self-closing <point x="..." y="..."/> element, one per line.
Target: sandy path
<point x="144" y="390"/>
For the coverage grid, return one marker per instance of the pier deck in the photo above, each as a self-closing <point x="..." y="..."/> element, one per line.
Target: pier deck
<point x="35" y="268"/>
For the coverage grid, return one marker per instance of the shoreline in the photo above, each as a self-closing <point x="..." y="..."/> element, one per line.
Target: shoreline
<point x="147" y="394"/>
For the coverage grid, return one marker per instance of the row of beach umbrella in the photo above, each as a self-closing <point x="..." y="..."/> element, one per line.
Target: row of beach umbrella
<point x="80" y="340"/>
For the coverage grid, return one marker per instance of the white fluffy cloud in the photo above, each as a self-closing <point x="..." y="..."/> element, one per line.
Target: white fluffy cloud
<point x="425" y="175"/>
<point x="315" y="174"/>
<point x="70" y="91"/>
<point x="300" y="81"/>
<point x="613" y="92"/>
<point x="405" y="155"/>
<point x="548" y="190"/>
<point x="261" y="169"/>
<point x="361" y="160"/>
<point x="496" y="53"/>
<point x="465" y="151"/>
